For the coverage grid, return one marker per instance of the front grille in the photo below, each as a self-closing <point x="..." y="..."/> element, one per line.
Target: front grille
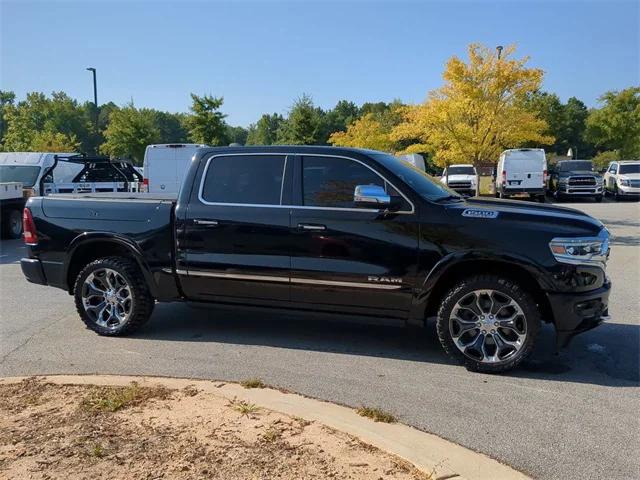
<point x="582" y="181"/>
<point x="634" y="183"/>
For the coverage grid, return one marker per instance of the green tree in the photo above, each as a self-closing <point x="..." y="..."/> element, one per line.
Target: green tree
<point x="601" y="160"/>
<point x="265" y="131"/>
<point x="302" y="126"/>
<point x="6" y="102"/>
<point x="616" y="126"/>
<point x="48" y="141"/>
<point x="237" y="134"/>
<point x="206" y="123"/>
<point x="172" y="126"/>
<point x="566" y="123"/>
<point x="37" y="114"/>
<point x="337" y="119"/>
<point x="129" y="132"/>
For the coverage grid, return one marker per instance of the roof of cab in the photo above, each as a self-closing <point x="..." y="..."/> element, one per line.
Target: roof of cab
<point x="292" y="149"/>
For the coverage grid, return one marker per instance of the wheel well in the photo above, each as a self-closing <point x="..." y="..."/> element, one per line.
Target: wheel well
<point x="468" y="269"/>
<point x="87" y="253"/>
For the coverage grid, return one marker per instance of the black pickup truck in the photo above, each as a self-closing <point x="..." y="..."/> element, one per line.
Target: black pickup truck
<point x="328" y="230"/>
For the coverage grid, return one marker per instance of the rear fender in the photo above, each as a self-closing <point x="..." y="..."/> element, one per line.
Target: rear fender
<point x="133" y="251"/>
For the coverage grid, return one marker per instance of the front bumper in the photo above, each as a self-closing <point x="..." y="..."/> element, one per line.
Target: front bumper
<point x="587" y="191"/>
<point x="578" y="312"/>
<point x="32" y="270"/>
<point x="628" y="191"/>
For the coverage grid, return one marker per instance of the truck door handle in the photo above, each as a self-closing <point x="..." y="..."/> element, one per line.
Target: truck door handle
<point x="311" y="226"/>
<point x="206" y="223"/>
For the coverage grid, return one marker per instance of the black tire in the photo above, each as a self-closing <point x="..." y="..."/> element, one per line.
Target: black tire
<point x="598" y="198"/>
<point x="12" y="224"/>
<point x="541" y="198"/>
<point x="141" y="305"/>
<point x="616" y="195"/>
<point x="559" y="197"/>
<point x="503" y="286"/>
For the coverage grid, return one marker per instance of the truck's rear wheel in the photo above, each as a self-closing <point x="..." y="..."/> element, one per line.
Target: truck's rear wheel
<point x="12" y="224"/>
<point x="111" y="296"/>
<point x="488" y="323"/>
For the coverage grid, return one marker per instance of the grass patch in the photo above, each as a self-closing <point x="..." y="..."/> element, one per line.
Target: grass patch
<point x="98" y="451"/>
<point x="112" y="399"/>
<point x="245" y="408"/>
<point x="272" y="435"/>
<point x="376" y="414"/>
<point x="485" y="185"/>
<point x="253" y="383"/>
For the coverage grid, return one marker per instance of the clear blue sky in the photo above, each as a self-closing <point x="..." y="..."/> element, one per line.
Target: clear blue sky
<point x="262" y="55"/>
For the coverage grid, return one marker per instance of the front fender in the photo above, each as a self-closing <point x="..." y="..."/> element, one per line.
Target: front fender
<point x="474" y="262"/>
<point x="88" y="238"/>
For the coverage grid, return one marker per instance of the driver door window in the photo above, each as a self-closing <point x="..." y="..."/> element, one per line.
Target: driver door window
<point x="330" y="182"/>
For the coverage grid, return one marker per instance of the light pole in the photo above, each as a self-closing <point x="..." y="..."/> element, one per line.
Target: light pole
<point x="499" y="49"/>
<point x="95" y="102"/>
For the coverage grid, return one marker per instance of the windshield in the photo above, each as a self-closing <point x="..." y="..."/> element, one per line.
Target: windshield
<point x="577" y="166"/>
<point x="630" y="168"/>
<point x="422" y="183"/>
<point x="17" y="173"/>
<point x="460" y="171"/>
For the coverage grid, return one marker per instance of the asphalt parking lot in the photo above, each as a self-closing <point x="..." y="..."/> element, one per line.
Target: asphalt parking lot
<point x="568" y="416"/>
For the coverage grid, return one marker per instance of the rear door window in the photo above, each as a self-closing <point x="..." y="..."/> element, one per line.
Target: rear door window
<point x="244" y="179"/>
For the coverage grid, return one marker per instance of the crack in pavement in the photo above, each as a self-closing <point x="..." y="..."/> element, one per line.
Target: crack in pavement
<point x="30" y="337"/>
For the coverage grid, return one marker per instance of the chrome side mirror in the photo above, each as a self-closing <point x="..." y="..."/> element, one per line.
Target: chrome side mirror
<point x="371" y="196"/>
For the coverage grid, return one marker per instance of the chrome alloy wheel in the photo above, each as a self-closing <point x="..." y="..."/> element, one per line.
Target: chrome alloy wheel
<point x="488" y="326"/>
<point x="107" y="299"/>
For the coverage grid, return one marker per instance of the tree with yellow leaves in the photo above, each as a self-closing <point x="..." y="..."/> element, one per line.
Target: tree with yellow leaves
<point x="479" y="112"/>
<point x="366" y="132"/>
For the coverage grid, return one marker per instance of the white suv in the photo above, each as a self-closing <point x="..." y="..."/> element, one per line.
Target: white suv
<point x="461" y="178"/>
<point x="622" y="179"/>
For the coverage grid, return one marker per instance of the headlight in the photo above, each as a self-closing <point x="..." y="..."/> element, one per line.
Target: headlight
<point x="623" y="182"/>
<point x="582" y="250"/>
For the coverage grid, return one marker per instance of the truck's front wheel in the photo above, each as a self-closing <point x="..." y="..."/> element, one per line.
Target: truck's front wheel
<point x="488" y="323"/>
<point x="112" y="297"/>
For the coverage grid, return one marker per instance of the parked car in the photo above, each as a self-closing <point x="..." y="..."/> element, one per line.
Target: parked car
<point x="332" y="230"/>
<point x="622" y="179"/>
<point x="11" y="205"/>
<point x="166" y="165"/>
<point x="461" y="178"/>
<point x="575" y="178"/>
<point x="522" y="171"/>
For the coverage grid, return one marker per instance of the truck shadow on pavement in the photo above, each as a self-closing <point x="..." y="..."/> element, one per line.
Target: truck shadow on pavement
<point x="608" y="355"/>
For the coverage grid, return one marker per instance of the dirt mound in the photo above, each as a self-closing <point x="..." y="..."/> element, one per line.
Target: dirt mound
<point x="52" y="431"/>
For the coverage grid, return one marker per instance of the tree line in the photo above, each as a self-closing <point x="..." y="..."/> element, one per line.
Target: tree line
<point x="487" y="103"/>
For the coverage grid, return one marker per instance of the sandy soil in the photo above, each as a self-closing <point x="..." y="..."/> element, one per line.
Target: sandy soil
<point x="86" y="432"/>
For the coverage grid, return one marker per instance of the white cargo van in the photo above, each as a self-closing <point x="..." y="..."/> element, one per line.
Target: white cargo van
<point x="166" y="165"/>
<point x="522" y="171"/>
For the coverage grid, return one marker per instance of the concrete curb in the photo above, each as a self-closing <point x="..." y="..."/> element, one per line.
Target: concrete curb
<point x="427" y="452"/>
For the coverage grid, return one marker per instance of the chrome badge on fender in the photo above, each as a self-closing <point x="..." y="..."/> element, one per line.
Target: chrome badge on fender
<point x="478" y="213"/>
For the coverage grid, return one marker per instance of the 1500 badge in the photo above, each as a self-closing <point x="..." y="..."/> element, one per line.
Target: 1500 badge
<point x="477" y="213"/>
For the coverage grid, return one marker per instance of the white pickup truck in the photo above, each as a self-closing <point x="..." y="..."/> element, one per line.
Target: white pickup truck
<point x="12" y="202"/>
